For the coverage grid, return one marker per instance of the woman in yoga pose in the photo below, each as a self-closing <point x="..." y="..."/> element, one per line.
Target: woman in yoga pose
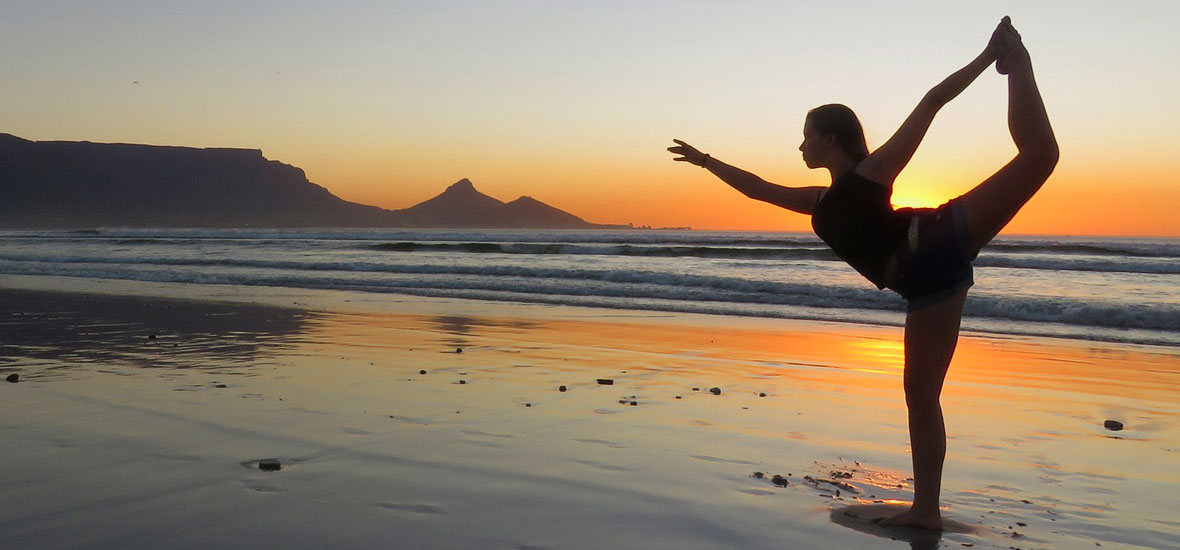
<point x="923" y="254"/>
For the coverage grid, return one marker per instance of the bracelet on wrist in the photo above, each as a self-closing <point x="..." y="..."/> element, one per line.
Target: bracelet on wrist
<point x="704" y="160"/>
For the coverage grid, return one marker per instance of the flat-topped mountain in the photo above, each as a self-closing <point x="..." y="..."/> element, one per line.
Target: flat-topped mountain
<point x="47" y="184"/>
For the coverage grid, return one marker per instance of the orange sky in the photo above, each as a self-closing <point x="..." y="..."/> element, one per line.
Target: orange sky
<point x="573" y="104"/>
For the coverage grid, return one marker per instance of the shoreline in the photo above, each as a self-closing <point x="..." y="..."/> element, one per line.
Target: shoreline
<point x="169" y="430"/>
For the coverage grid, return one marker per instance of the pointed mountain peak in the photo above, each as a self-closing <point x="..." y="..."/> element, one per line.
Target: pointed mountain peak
<point x="462" y="185"/>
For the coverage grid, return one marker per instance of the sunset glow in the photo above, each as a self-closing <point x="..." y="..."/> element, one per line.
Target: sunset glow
<point x="574" y="103"/>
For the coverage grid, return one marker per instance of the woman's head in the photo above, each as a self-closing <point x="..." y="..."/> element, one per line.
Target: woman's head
<point x="838" y="124"/>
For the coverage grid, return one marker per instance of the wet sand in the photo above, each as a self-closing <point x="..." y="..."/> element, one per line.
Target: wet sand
<point x="143" y="412"/>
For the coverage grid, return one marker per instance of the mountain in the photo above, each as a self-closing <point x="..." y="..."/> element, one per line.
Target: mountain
<point x="83" y="184"/>
<point x="460" y="205"/>
<point x="50" y="184"/>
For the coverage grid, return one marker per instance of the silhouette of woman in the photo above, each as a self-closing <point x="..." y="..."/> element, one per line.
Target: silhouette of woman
<point x="923" y="254"/>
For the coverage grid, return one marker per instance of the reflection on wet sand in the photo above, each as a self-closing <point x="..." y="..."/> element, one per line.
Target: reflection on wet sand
<point x="48" y="333"/>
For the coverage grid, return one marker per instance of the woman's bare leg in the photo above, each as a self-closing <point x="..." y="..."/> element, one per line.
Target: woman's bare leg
<point x="993" y="203"/>
<point x="931" y="334"/>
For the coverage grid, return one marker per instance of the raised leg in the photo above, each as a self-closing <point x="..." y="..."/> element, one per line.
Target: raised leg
<point x="993" y="203"/>
<point x="931" y="334"/>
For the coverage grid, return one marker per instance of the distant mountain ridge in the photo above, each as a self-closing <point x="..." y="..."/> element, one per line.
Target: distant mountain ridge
<point x="49" y="184"/>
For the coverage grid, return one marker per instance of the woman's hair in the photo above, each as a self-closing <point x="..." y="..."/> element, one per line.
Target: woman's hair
<point x="839" y="121"/>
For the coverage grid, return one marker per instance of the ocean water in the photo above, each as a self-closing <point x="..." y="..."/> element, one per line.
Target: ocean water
<point x="1105" y="289"/>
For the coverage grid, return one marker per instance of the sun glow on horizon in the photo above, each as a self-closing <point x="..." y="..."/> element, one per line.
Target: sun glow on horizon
<point x="387" y="104"/>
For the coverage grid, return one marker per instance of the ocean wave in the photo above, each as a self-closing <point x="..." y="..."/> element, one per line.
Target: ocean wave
<point x="815" y="253"/>
<point x="605" y="285"/>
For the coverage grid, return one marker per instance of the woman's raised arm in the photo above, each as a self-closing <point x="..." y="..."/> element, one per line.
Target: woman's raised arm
<point x="798" y="199"/>
<point x="884" y="164"/>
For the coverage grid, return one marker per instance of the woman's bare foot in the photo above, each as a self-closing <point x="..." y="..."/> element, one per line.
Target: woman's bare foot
<point x="912" y="518"/>
<point x="1010" y="51"/>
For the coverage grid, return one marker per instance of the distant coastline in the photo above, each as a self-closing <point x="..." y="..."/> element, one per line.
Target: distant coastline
<point x="80" y="184"/>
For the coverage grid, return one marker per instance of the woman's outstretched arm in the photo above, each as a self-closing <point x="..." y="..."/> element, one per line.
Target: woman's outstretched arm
<point x="884" y="164"/>
<point x="798" y="199"/>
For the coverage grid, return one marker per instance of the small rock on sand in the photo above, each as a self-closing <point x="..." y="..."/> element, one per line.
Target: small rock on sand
<point x="715" y="390"/>
<point x="13" y="378"/>
<point x="462" y="381"/>
<point x="763" y="394"/>
<point x="759" y="475"/>
<point x="606" y="381"/>
<point x="779" y="480"/>
<point x="270" y="465"/>
<point x="1113" y="425"/>
<point x="561" y="388"/>
<point x="422" y="372"/>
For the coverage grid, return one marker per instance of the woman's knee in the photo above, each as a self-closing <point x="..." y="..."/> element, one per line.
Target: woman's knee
<point x="922" y="395"/>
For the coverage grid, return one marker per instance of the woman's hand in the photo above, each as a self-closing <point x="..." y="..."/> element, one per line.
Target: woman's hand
<point x="1006" y="47"/>
<point x="688" y="153"/>
<point x="995" y="44"/>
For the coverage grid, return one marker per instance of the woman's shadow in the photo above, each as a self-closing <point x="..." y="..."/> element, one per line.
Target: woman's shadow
<point x="866" y="518"/>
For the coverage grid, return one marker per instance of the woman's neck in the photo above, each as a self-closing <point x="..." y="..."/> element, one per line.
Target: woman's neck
<point x="841" y="166"/>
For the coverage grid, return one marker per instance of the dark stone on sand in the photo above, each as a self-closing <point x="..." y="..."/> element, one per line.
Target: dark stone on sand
<point x="606" y="381"/>
<point x="13" y="378"/>
<point x="528" y="404"/>
<point x="270" y="465"/>
<point x="1113" y="425"/>
<point x="561" y="388"/>
<point x="422" y="372"/>
<point x="634" y="403"/>
<point x="220" y="386"/>
<point x="761" y="395"/>
<point x="779" y="480"/>
<point x="458" y="350"/>
<point x="696" y="389"/>
<point x="715" y="390"/>
<point x="759" y="475"/>
<point x="462" y="381"/>
<point x="678" y="397"/>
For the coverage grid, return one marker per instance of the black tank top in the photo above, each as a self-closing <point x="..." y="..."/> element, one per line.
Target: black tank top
<point x="856" y="219"/>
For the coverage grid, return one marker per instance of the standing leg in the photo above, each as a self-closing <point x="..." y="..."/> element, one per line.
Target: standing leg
<point x="931" y="334"/>
<point x="993" y="203"/>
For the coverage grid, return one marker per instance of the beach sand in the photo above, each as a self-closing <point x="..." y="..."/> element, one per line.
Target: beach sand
<point x="143" y="411"/>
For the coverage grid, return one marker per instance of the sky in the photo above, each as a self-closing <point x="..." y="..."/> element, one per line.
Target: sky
<point x="574" y="103"/>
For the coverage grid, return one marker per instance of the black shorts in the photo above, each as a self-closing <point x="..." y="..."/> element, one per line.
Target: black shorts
<point x="934" y="263"/>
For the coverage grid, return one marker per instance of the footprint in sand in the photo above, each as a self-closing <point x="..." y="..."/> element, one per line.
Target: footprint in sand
<point x="602" y="466"/>
<point x="412" y="508"/>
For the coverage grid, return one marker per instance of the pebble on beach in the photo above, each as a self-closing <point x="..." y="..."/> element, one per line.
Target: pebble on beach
<point x="561" y="388"/>
<point x="270" y="465"/>
<point x="13" y="378"/>
<point x="606" y="381"/>
<point x="458" y="350"/>
<point x="715" y="390"/>
<point x="422" y="371"/>
<point x="1113" y="425"/>
<point x="779" y="480"/>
